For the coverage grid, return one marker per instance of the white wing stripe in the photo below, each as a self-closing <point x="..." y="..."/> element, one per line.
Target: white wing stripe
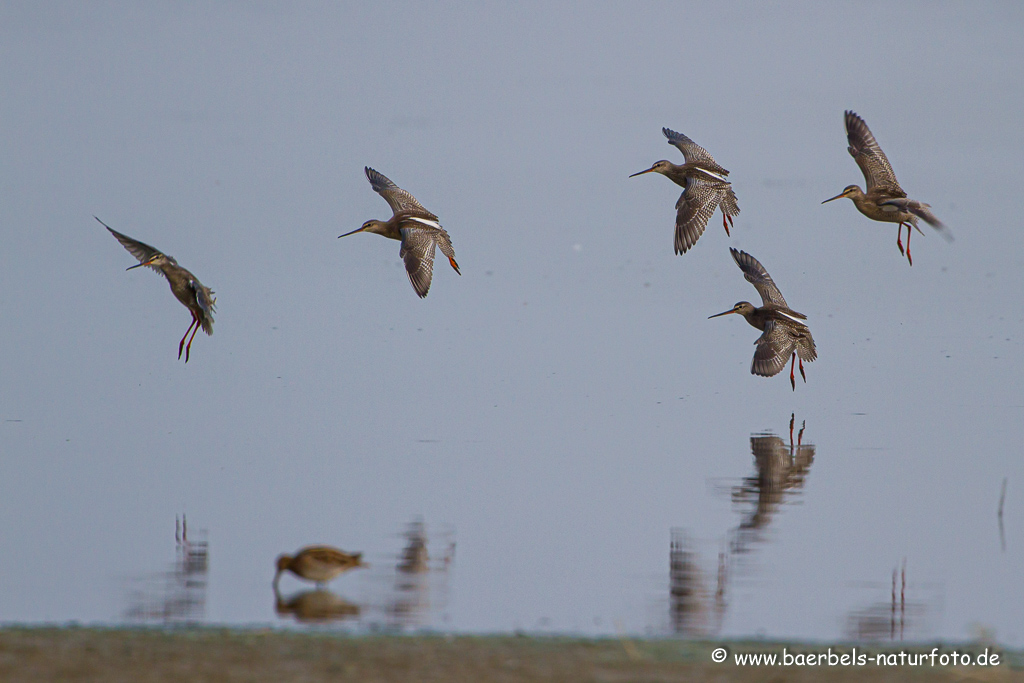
<point x="425" y="221"/>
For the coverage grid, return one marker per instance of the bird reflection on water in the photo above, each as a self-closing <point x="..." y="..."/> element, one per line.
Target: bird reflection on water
<point x="178" y="595"/>
<point x="420" y="587"/>
<point x="697" y="610"/>
<point x="315" y="606"/>
<point x="781" y="472"/>
<point x="407" y="591"/>
<point x="905" y="610"/>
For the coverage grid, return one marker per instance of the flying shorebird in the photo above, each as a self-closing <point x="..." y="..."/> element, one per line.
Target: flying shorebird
<point x="884" y="199"/>
<point x="705" y="188"/>
<point x="417" y="229"/>
<point x="784" y="330"/>
<point x="319" y="563"/>
<point x="187" y="288"/>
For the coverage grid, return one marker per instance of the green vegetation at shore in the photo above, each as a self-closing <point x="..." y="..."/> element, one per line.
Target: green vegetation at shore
<point x="212" y="654"/>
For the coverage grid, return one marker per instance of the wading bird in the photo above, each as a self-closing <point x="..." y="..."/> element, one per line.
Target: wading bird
<point x="884" y="199"/>
<point x="417" y="229"/>
<point x="705" y="188"/>
<point x="784" y="331"/>
<point x="187" y="288"/>
<point x="318" y="563"/>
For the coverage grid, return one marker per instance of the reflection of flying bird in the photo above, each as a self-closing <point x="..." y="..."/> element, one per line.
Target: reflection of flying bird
<point x="705" y="189"/>
<point x="784" y="331"/>
<point x="418" y="230"/>
<point x="781" y="469"/>
<point x="319" y="563"/>
<point x="884" y="200"/>
<point x="187" y="288"/>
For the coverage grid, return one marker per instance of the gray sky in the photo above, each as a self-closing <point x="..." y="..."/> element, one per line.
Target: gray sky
<point x="563" y="403"/>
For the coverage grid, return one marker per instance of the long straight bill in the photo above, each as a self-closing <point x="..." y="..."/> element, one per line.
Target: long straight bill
<point x="353" y="232"/>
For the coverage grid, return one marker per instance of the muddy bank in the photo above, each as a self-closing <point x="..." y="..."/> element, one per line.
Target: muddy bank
<point x="205" y="654"/>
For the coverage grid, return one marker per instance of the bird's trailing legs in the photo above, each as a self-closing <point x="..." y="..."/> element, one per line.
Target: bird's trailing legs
<point x="181" y="344"/>
<point x="792" y="374"/>
<point x="899" y="232"/>
<point x="726" y="225"/>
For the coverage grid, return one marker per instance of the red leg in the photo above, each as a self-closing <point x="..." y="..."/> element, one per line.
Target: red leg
<point x="899" y="242"/>
<point x="802" y="370"/>
<point x="190" y="339"/>
<point x="792" y="377"/>
<point x="724" y="224"/>
<point x="181" y="344"/>
<point x="909" y="260"/>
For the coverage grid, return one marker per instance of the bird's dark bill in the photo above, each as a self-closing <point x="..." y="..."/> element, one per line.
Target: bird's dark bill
<point x="719" y="315"/>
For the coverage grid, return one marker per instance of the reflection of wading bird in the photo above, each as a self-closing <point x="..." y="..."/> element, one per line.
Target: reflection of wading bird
<point x="784" y="330"/>
<point x="314" y="606"/>
<point x="705" y="188"/>
<point x="417" y="229"/>
<point x="884" y="199"/>
<point x="196" y="297"/>
<point x="319" y="563"/>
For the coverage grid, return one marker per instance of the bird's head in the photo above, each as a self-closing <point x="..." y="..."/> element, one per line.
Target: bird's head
<point x="850" y="191"/>
<point x="658" y="167"/>
<point x="156" y="261"/>
<point x="743" y="308"/>
<point x="283" y="562"/>
<point x="369" y="226"/>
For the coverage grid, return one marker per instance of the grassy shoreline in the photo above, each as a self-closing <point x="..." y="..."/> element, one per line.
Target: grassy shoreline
<point x="48" y="653"/>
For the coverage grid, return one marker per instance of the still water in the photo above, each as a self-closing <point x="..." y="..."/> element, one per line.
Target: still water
<point x="726" y="576"/>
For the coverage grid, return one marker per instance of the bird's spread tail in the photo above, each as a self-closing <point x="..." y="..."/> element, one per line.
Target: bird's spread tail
<point x="922" y="211"/>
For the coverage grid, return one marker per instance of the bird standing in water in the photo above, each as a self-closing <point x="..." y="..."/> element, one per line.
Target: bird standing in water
<point x="417" y="229"/>
<point x="884" y="199"/>
<point x="784" y="330"/>
<point x="705" y="188"/>
<point x="187" y="288"/>
<point x="319" y="563"/>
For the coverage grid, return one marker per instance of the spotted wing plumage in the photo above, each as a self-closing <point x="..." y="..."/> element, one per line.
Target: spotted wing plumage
<point x="418" y="253"/>
<point x="398" y="199"/>
<point x="756" y="275"/>
<point x="694" y="208"/>
<point x="444" y="243"/>
<point x="805" y="347"/>
<point x="869" y="156"/>
<point x="729" y="206"/>
<point x="693" y="152"/>
<point x="774" y="347"/>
